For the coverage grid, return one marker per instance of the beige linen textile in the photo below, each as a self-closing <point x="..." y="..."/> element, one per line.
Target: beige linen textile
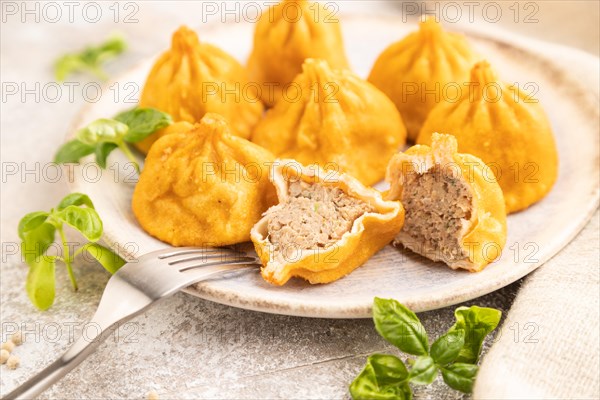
<point x="561" y="360"/>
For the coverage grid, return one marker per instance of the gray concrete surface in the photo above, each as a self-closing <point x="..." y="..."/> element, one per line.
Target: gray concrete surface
<point x="184" y="347"/>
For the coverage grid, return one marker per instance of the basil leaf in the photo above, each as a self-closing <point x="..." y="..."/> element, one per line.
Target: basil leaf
<point x="85" y="220"/>
<point x="89" y="59"/>
<point x="400" y="326"/>
<point x="36" y="242"/>
<point x="72" y="152"/>
<point x="30" y="222"/>
<point x="447" y="347"/>
<point x="477" y="322"/>
<point x="390" y="370"/>
<point x="143" y="122"/>
<point x="383" y="378"/>
<point x="102" y="152"/>
<point x="40" y="282"/>
<point x="68" y="64"/>
<point x="460" y="376"/>
<point x="423" y="371"/>
<point x="102" y="130"/>
<point x="75" y="199"/>
<point x="106" y="257"/>
<point x="111" y="48"/>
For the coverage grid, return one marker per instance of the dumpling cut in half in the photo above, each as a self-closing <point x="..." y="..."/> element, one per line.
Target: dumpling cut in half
<point x="325" y="225"/>
<point x="455" y="210"/>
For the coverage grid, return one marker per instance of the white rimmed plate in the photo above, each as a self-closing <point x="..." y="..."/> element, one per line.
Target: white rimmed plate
<point x="535" y="235"/>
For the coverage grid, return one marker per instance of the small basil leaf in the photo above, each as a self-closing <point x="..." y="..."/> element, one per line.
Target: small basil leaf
<point x="85" y="220"/>
<point x="383" y="378"/>
<point x="400" y="326"/>
<point x="101" y="131"/>
<point x="109" y="49"/>
<point x="102" y="152"/>
<point x="30" y="222"/>
<point x="106" y="257"/>
<point x="460" y="376"/>
<point x="143" y="122"/>
<point x="72" y="152"/>
<point x="447" y="347"/>
<point x="67" y="64"/>
<point x="75" y="199"/>
<point x="89" y="59"/>
<point x="477" y="322"/>
<point x="40" y="282"/>
<point x="424" y="371"/>
<point x="36" y="242"/>
<point x="390" y="370"/>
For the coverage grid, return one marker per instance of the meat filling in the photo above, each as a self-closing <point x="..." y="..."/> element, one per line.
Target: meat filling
<point x="438" y="207"/>
<point x="314" y="217"/>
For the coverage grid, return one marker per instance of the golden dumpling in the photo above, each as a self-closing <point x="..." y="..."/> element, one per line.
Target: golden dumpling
<point x="205" y="187"/>
<point x="415" y="72"/>
<point x="325" y="226"/>
<point x="338" y="121"/>
<point x="176" y="127"/>
<point x="507" y="129"/>
<point x="454" y="212"/>
<point x="193" y="78"/>
<point x="287" y="34"/>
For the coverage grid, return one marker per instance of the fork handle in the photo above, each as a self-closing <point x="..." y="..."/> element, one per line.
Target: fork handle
<point x="78" y="352"/>
<point x="52" y="373"/>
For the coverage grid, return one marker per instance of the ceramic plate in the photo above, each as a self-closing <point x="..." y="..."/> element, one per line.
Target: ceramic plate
<point x="535" y="235"/>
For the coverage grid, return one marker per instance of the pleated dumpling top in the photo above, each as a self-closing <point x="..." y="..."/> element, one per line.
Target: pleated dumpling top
<point x="414" y="71"/>
<point x="286" y="35"/>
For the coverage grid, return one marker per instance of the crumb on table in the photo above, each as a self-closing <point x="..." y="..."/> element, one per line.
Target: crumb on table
<point x="8" y="346"/>
<point x="4" y="355"/>
<point x="13" y="362"/>
<point x="17" y="338"/>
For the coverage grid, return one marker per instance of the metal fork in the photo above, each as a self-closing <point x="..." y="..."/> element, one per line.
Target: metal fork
<point x="131" y="290"/>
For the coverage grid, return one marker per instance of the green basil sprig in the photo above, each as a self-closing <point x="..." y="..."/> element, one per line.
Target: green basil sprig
<point x="104" y="135"/>
<point x="37" y="231"/>
<point x="89" y="59"/>
<point x="455" y="354"/>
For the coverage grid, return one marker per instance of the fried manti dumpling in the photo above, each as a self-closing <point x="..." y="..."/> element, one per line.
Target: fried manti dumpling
<point x="455" y="211"/>
<point x="176" y="127"/>
<point x="205" y="187"/>
<point x="339" y="122"/>
<point x="287" y="34"/>
<point x="414" y="72"/>
<point x="325" y="225"/>
<point x="507" y="129"/>
<point x="193" y="78"/>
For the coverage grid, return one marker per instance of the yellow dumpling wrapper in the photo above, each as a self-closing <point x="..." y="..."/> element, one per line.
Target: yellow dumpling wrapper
<point x="193" y="78"/>
<point x="176" y="127"/>
<point x="325" y="226"/>
<point x="507" y="129"/>
<point x="338" y="121"/>
<point x="288" y="33"/>
<point x="415" y="71"/>
<point x="455" y="210"/>
<point x="205" y="187"/>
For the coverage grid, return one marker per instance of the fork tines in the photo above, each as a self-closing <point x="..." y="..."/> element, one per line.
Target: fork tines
<point x="239" y="261"/>
<point x="216" y="255"/>
<point x="196" y="250"/>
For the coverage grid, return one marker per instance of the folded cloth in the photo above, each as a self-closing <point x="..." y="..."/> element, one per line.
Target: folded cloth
<point x="549" y="345"/>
